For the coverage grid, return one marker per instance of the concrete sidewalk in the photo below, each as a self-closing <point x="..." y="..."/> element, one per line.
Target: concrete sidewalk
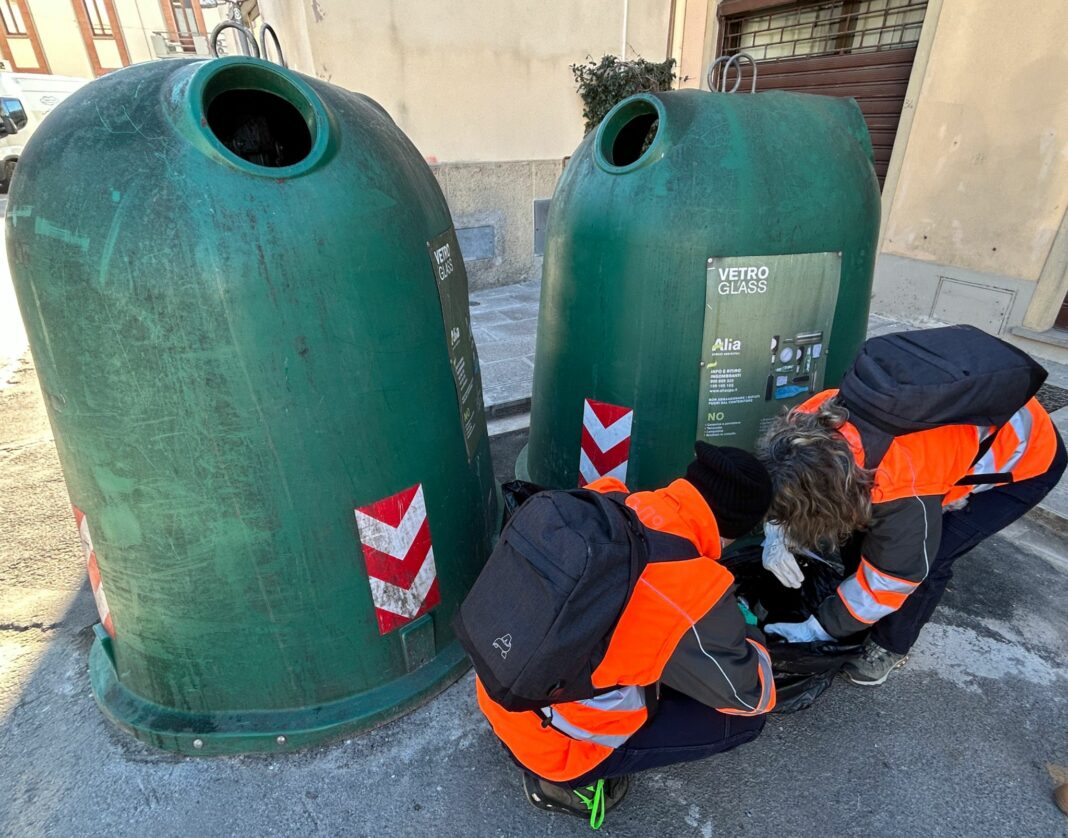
<point x="505" y="319"/>
<point x="966" y="741"/>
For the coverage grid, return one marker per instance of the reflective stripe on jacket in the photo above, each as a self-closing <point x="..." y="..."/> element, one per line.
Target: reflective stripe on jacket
<point x="1024" y="447"/>
<point x="681" y="625"/>
<point x="915" y="478"/>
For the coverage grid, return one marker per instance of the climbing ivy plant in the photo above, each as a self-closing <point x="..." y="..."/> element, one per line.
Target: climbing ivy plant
<point x="602" y="84"/>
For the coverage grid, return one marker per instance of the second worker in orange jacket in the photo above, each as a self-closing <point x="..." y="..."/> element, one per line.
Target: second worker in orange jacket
<point x="681" y="643"/>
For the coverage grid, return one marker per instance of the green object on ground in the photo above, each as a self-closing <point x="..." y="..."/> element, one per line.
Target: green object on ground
<point x="703" y="284"/>
<point x="249" y="316"/>
<point x="749" y="617"/>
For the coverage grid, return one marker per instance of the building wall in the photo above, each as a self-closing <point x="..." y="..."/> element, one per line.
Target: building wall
<point x="139" y="19"/>
<point x="974" y="207"/>
<point x="985" y="175"/>
<point x="61" y="39"/>
<point x="983" y="183"/>
<point x="482" y="88"/>
<point x="475" y="81"/>
<point x="492" y="206"/>
<point x="695" y="40"/>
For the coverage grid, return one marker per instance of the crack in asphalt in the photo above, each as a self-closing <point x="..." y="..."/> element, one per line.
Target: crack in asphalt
<point x="16" y="627"/>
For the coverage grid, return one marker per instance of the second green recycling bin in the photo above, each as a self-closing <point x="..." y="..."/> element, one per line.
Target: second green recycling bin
<point x="708" y="263"/>
<point x="249" y="317"/>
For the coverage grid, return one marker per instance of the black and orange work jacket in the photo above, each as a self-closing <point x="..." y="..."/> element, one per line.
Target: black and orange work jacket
<point x="915" y="480"/>
<point x="681" y="627"/>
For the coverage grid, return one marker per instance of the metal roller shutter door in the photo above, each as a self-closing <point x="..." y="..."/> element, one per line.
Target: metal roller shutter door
<point x="858" y="48"/>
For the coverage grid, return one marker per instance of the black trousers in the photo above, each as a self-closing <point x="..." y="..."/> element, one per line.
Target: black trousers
<point x="681" y="730"/>
<point x="986" y="513"/>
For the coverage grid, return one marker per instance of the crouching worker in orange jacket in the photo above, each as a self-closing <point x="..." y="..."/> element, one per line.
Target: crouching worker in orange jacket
<point x="606" y="637"/>
<point x="933" y="443"/>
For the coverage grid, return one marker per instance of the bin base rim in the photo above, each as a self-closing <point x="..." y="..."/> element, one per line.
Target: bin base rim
<point x="522" y="465"/>
<point x="259" y="731"/>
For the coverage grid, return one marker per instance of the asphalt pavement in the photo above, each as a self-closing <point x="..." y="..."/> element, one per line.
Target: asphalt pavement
<point x="965" y="741"/>
<point x="968" y="740"/>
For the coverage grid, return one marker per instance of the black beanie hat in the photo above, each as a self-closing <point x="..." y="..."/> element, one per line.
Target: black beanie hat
<point x="734" y="484"/>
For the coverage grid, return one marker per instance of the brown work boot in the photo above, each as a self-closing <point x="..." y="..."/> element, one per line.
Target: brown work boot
<point x="873" y="666"/>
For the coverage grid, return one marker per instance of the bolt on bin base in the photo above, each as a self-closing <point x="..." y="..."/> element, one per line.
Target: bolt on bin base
<point x="264" y="730"/>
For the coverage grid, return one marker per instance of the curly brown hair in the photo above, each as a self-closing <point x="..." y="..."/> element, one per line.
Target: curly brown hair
<point x="821" y="496"/>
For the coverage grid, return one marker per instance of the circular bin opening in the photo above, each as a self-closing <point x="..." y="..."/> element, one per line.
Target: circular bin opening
<point x="259" y="116"/>
<point x="628" y="133"/>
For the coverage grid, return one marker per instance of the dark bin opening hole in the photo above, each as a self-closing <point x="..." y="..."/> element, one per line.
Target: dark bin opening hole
<point x="632" y="133"/>
<point x="260" y="127"/>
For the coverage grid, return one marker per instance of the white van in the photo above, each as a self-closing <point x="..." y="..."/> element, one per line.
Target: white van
<point x="25" y="100"/>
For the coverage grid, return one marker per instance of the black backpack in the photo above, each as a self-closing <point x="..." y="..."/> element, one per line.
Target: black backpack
<point x="956" y="375"/>
<point x="538" y="619"/>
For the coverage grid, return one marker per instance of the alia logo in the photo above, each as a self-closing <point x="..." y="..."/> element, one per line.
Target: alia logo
<point x="726" y="345"/>
<point x="503" y="644"/>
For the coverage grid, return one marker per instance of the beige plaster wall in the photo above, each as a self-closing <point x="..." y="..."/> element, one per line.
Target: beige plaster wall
<point x="475" y="81"/>
<point x="697" y="42"/>
<point x="61" y="41"/>
<point x="984" y="177"/>
<point x="139" y="19"/>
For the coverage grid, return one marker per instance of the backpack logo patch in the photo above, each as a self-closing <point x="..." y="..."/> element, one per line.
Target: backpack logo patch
<point x="503" y="644"/>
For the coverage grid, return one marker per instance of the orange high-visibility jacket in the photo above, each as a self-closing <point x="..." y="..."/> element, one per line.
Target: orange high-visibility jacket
<point x="914" y="480"/>
<point x="681" y="626"/>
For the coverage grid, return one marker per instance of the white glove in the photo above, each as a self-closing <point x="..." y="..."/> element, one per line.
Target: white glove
<point x="778" y="559"/>
<point x="807" y="632"/>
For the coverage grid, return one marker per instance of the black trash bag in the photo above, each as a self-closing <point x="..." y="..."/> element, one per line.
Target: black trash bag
<point x="799" y="692"/>
<point x="803" y="671"/>
<point x="810" y="658"/>
<point x="515" y="494"/>
<point x="780" y="604"/>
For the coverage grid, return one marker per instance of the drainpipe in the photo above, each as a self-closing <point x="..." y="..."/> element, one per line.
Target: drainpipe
<point x="671" y="28"/>
<point x="623" y="48"/>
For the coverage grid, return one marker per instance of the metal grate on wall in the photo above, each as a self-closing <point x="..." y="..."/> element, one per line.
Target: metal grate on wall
<point x="829" y="28"/>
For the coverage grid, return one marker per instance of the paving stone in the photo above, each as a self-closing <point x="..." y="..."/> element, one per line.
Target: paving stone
<point x="506" y="380"/>
<point x="516" y="329"/>
<point x="487" y="316"/>
<point x="520" y="311"/>
<point x="505" y="325"/>
<point x="502" y="350"/>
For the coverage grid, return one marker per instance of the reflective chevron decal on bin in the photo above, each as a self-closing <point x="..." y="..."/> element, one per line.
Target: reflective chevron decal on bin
<point x="605" y="449"/>
<point x="94" y="572"/>
<point x="397" y="550"/>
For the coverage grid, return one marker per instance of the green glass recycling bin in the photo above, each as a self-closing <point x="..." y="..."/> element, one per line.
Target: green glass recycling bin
<point x="249" y="317"/>
<point x="708" y="263"/>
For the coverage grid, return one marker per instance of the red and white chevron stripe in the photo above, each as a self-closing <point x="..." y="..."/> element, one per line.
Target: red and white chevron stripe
<point x="94" y="571"/>
<point x="397" y="550"/>
<point x="605" y="450"/>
